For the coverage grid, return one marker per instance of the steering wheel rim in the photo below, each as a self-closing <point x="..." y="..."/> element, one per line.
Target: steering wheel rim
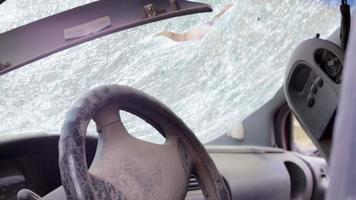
<point x="100" y="104"/>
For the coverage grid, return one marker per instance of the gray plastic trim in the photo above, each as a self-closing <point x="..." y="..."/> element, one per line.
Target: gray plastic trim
<point x="343" y="159"/>
<point x="316" y="118"/>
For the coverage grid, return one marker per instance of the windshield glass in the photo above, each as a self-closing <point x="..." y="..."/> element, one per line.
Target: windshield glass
<point x="234" y="65"/>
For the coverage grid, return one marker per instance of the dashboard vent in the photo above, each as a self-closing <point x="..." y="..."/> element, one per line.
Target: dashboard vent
<point x="193" y="183"/>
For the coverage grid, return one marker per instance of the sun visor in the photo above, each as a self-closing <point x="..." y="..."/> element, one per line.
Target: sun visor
<point x="41" y="38"/>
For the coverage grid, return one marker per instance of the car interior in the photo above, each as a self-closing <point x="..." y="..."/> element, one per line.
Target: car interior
<point x="260" y="160"/>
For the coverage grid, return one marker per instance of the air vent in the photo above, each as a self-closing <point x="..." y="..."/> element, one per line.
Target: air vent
<point x="298" y="181"/>
<point x="193" y="183"/>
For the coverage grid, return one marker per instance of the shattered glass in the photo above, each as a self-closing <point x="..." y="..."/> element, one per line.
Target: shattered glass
<point x="212" y="83"/>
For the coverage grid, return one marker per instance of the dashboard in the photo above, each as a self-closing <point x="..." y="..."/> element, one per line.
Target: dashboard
<point x="250" y="172"/>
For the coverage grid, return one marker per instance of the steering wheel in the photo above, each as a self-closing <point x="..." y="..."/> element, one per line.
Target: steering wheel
<point x="125" y="167"/>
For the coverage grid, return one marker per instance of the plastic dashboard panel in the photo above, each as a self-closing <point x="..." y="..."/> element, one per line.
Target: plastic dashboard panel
<point x="312" y="87"/>
<point x="257" y="173"/>
<point x="262" y="173"/>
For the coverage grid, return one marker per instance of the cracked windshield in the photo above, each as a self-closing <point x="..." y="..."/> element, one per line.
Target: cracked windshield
<point x="212" y="69"/>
